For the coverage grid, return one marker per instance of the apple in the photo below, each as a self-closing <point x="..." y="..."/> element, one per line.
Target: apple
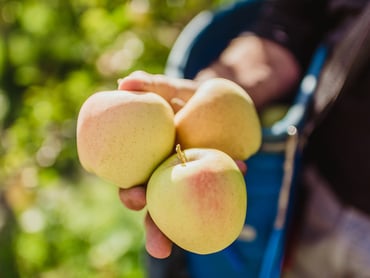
<point x="122" y="136"/>
<point x="198" y="199"/>
<point x="273" y="113"/>
<point x="220" y="115"/>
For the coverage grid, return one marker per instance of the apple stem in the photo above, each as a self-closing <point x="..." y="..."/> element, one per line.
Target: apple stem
<point x="181" y="155"/>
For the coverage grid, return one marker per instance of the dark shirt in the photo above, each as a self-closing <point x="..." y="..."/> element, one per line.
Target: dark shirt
<point x="301" y="25"/>
<point x="340" y="145"/>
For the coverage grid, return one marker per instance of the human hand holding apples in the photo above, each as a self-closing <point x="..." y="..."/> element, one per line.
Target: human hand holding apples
<point x="208" y="184"/>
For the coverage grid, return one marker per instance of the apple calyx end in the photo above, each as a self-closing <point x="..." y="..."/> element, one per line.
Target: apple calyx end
<point x="181" y="155"/>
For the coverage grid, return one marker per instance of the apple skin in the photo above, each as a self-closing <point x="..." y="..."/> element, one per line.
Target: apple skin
<point x="273" y="113"/>
<point x="199" y="204"/>
<point x="220" y="115"/>
<point x="122" y="136"/>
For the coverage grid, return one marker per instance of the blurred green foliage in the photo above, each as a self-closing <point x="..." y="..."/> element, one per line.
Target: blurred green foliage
<point x="55" y="219"/>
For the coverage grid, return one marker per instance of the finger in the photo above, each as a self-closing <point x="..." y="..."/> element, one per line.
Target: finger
<point x="169" y="88"/>
<point x="136" y="81"/>
<point x="157" y="244"/>
<point x="133" y="198"/>
<point x="242" y="166"/>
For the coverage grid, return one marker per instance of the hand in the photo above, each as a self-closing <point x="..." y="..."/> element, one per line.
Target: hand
<point x="176" y="92"/>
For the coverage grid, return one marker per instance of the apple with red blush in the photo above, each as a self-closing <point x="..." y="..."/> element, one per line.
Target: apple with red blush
<point x="198" y="199"/>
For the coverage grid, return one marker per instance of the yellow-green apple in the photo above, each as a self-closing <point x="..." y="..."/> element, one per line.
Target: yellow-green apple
<point x="220" y="115"/>
<point x="197" y="198"/>
<point x="273" y="113"/>
<point x="122" y="136"/>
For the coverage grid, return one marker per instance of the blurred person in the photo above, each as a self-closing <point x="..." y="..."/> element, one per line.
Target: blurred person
<point x="269" y="61"/>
